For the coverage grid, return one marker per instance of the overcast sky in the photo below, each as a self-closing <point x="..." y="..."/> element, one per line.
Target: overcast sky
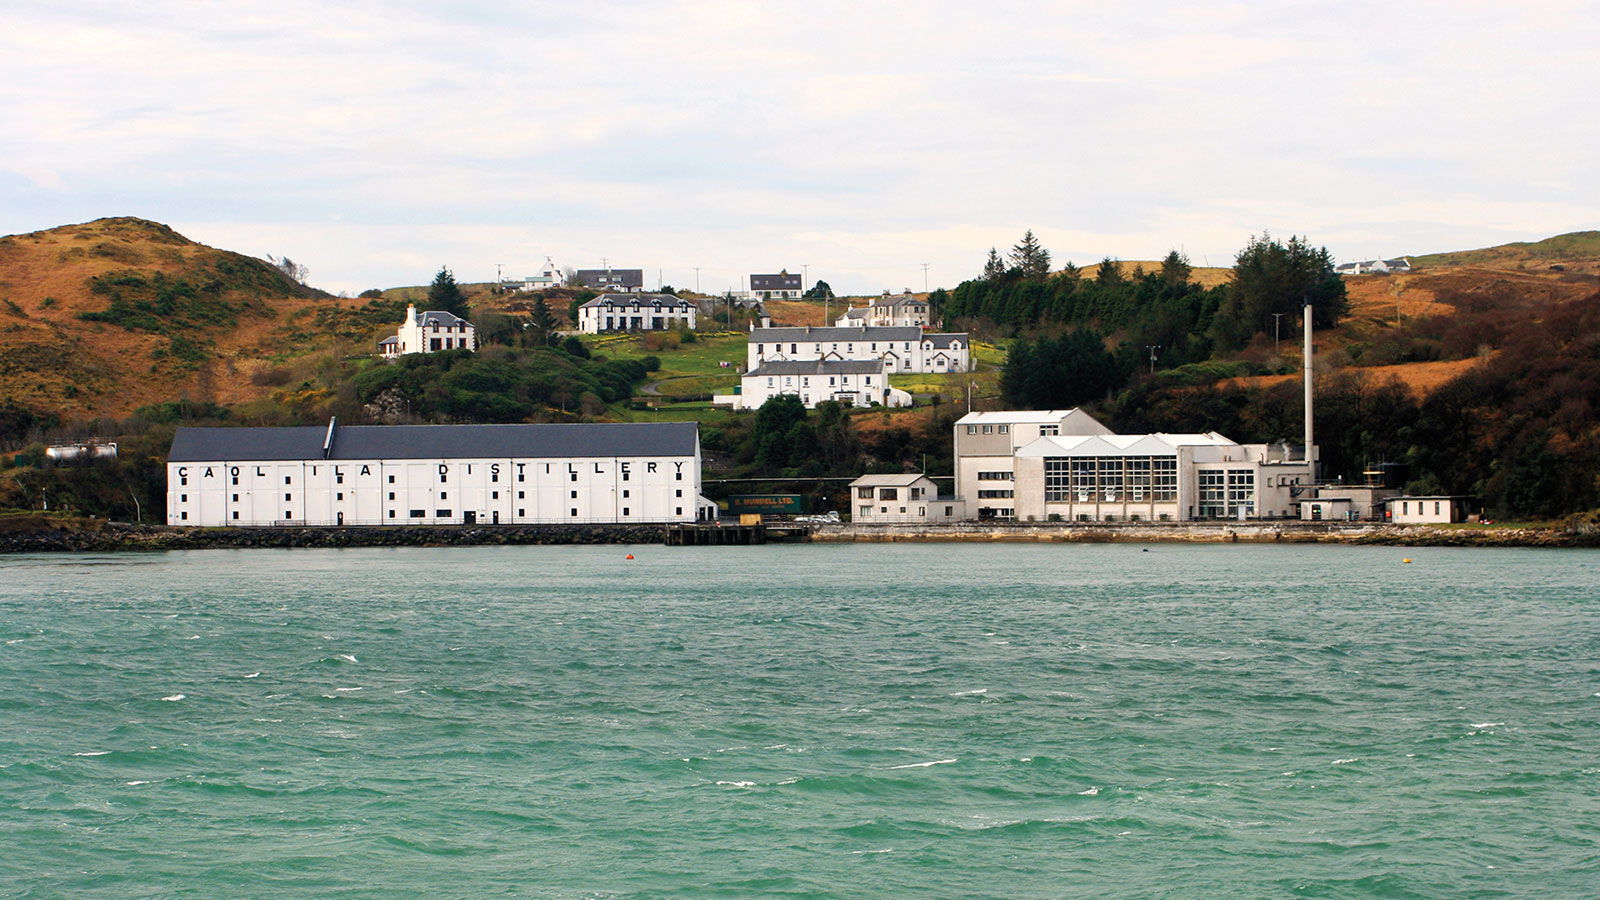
<point x="375" y="142"/>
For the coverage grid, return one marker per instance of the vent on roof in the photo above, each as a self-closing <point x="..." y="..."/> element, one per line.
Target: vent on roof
<point x="327" y="442"/>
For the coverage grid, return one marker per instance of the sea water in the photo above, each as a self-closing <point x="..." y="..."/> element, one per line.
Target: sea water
<point x="930" y="720"/>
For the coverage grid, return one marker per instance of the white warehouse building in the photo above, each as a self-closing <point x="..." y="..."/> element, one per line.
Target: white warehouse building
<point x="1065" y="465"/>
<point x="436" y="475"/>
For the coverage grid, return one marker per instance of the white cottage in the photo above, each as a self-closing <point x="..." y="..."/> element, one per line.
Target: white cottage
<point x="636" y="312"/>
<point x="430" y="331"/>
<point x="436" y="475"/>
<point x="911" y="499"/>
<point x="901" y="349"/>
<point x="852" y="382"/>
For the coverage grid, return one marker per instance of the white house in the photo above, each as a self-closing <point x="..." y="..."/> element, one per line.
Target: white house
<point x="901" y="499"/>
<point x="436" y="474"/>
<point x="888" y="311"/>
<point x="1064" y="465"/>
<point x="1373" y="266"/>
<point x="636" y="312"/>
<point x="1430" y="510"/>
<point x="430" y="331"/>
<point x="550" y="276"/>
<point x="901" y="348"/>
<point x="617" y="281"/>
<point x="848" y="381"/>
<point x="782" y="286"/>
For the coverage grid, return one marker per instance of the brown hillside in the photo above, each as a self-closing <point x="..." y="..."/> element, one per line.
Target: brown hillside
<point x="101" y="318"/>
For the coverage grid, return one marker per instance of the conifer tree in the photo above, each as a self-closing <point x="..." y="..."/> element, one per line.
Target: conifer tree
<point x="444" y="294"/>
<point x="995" y="268"/>
<point x="1030" y="257"/>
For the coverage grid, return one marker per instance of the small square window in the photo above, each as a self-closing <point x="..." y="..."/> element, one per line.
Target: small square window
<point x="236" y="498"/>
<point x="494" y="495"/>
<point x="574" y="495"/>
<point x="678" y="493"/>
<point x="183" y="515"/>
<point x="183" y="480"/>
<point x="391" y="479"/>
<point x="183" y="498"/>
<point x="624" y="493"/>
<point x="574" y="475"/>
<point x="624" y="510"/>
<point x="287" y="480"/>
<point x="521" y="513"/>
<point x="520" y="495"/>
<point x="339" y="496"/>
<point x="444" y="495"/>
<point x="391" y="495"/>
<point x="391" y="513"/>
<point x="236" y="514"/>
<point x="679" y="511"/>
<point x="574" y="512"/>
<point x="288" y="496"/>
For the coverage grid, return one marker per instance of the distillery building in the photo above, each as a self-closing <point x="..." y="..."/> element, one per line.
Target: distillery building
<point x="436" y="475"/>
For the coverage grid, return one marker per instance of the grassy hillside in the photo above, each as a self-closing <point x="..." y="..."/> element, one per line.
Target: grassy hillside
<point x="1577" y="252"/>
<point x="103" y="317"/>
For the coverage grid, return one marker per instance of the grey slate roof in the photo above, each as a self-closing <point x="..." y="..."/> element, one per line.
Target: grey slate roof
<point x="445" y="319"/>
<point x="819" y="367"/>
<point x="436" y="442"/>
<point x="782" y="281"/>
<point x="602" y="278"/>
<point x="852" y="333"/>
<point x="942" y="341"/>
<point x="641" y="300"/>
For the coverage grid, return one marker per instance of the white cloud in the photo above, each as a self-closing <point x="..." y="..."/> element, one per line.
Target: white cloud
<point x="374" y="141"/>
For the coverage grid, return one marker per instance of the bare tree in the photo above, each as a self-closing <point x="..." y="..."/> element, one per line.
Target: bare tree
<point x="290" y="268"/>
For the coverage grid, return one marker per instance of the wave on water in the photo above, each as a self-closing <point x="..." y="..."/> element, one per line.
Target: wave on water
<point x="254" y="675"/>
<point x="924" y="765"/>
<point x="93" y="753"/>
<point x="970" y="693"/>
<point x="174" y="698"/>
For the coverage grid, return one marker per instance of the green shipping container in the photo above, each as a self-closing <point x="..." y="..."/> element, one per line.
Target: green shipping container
<point x="768" y="504"/>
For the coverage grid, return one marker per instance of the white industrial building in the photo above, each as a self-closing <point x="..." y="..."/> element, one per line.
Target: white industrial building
<point x="1063" y="465"/>
<point x="902" y="349"/>
<point x="430" y="331"/>
<point x="901" y="500"/>
<point x="851" y="382"/>
<point x="436" y="475"/>
<point x="636" y="312"/>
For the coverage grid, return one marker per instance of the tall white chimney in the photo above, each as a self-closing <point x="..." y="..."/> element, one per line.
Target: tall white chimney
<point x="1310" y="453"/>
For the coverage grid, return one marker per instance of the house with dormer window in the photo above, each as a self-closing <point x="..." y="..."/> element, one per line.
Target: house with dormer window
<point x="429" y="331"/>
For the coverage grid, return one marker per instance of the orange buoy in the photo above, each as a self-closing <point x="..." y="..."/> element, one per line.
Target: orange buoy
<point x="1407" y="559"/>
<point x="630" y="556"/>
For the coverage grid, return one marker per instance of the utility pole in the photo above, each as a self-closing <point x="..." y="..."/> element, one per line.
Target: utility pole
<point x="1153" y="348"/>
<point x="925" y="277"/>
<point x="1276" y="318"/>
<point x="497" y="277"/>
<point x="697" y="279"/>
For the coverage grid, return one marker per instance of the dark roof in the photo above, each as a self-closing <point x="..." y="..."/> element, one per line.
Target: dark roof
<point x="782" y="281"/>
<point x="848" y="333"/>
<point x="391" y="339"/>
<point x="819" y="367"/>
<point x="599" y="278"/>
<point x="636" y="300"/>
<point x="942" y="341"/>
<point x="442" y="317"/>
<point x="437" y="441"/>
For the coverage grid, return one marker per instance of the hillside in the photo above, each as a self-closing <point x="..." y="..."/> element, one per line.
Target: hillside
<point x="107" y="316"/>
<point x="1577" y="252"/>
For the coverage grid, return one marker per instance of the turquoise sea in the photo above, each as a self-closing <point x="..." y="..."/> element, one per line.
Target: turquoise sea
<point x="872" y="721"/>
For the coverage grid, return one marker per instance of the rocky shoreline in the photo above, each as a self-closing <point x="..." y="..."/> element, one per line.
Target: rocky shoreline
<point x="96" y="536"/>
<point x="41" y="534"/>
<point x="1289" y="532"/>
